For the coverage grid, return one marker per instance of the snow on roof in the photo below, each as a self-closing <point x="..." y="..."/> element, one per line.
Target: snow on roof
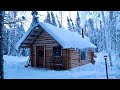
<point x="66" y="38"/>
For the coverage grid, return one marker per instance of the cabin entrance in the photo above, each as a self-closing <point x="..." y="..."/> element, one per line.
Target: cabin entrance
<point x="40" y="56"/>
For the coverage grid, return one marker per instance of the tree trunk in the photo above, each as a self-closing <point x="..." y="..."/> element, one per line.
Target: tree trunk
<point x="1" y="45"/>
<point x="104" y="31"/>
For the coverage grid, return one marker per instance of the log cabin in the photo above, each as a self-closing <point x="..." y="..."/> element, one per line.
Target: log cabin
<point x="56" y="48"/>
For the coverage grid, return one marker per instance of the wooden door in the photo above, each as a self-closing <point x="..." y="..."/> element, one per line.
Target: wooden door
<point x="39" y="56"/>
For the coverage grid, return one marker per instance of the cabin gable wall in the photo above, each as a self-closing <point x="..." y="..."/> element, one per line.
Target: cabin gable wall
<point x="71" y="57"/>
<point x="48" y="42"/>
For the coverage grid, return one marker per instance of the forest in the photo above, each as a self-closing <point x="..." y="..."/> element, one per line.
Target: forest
<point x="102" y="27"/>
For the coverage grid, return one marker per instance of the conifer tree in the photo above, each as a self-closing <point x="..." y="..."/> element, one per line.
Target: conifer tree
<point x="78" y="22"/>
<point x="69" y="24"/>
<point x="59" y="24"/>
<point x="53" y="22"/>
<point x="48" y="19"/>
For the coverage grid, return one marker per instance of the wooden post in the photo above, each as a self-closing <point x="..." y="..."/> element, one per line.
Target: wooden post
<point x="1" y="45"/>
<point x="106" y="66"/>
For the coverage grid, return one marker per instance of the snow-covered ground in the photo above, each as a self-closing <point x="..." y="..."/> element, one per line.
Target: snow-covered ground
<point x="14" y="69"/>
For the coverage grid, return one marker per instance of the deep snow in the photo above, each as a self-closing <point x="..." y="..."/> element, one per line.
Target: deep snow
<point x="14" y="69"/>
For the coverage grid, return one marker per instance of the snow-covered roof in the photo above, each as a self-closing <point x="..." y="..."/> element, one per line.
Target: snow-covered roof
<point x="66" y="38"/>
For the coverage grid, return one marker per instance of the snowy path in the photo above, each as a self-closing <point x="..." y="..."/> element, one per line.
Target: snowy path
<point x="14" y="69"/>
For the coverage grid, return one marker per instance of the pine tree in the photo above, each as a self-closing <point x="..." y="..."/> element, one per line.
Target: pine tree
<point x="59" y="24"/>
<point x="20" y="32"/>
<point x="91" y="25"/>
<point x="85" y="28"/>
<point x="104" y="32"/>
<point x="118" y="34"/>
<point x="12" y="36"/>
<point x="61" y="16"/>
<point x="53" y="19"/>
<point x="93" y="33"/>
<point x="10" y="39"/>
<point x="72" y="25"/>
<point x="112" y="28"/>
<point x="5" y="40"/>
<point x="69" y="24"/>
<point x="34" y="14"/>
<point x="91" y="29"/>
<point x="48" y="19"/>
<point x="100" y="38"/>
<point x="78" y="22"/>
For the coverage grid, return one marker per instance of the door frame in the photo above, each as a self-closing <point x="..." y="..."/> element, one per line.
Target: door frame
<point x="36" y="56"/>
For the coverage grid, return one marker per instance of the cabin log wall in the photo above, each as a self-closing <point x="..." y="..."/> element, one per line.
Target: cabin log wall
<point x="74" y="58"/>
<point x="71" y="57"/>
<point x="89" y="57"/>
<point x="48" y="42"/>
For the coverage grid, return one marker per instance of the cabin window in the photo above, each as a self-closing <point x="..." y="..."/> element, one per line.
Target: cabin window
<point x="82" y="55"/>
<point x="56" y="51"/>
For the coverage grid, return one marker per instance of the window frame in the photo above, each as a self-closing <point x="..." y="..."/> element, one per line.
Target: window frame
<point x="60" y="51"/>
<point x="81" y="54"/>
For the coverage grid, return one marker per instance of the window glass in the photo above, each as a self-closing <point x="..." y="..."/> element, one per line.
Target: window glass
<point x="56" y="51"/>
<point x="83" y="55"/>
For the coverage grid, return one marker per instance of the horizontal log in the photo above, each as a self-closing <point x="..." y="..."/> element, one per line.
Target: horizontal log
<point x="44" y="33"/>
<point x="45" y="39"/>
<point x="74" y="57"/>
<point x="75" y="61"/>
<point x="49" y="51"/>
<point x="74" y="64"/>
<point x="44" y="36"/>
<point x="74" y="51"/>
<point x="45" y="44"/>
<point x="75" y="54"/>
<point x="48" y="56"/>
